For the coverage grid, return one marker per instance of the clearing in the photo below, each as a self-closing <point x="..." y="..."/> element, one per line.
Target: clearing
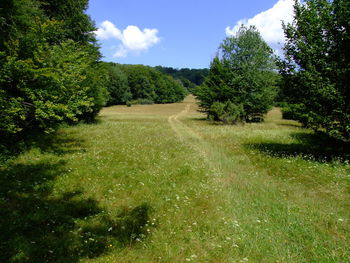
<point x="159" y="183"/>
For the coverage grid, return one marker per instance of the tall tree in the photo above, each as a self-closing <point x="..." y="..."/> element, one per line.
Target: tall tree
<point x="49" y="71"/>
<point x="316" y="68"/>
<point x="241" y="80"/>
<point x="118" y="86"/>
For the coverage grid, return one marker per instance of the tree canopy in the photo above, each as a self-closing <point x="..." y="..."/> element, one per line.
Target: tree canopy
<point x="316" y="68"/>
<point x="49" y="69"/>
<point x="241" y="81"/>
<point x="142" y="84"/>
<point x="190" y="78"/>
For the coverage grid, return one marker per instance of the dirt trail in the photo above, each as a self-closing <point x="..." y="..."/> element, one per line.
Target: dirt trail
<point x="186" y="134"/>
<point x="213" y="156"/>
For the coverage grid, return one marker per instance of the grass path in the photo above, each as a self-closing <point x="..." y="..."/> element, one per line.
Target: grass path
<point x="213" y="157"/>
<point x="157" y="183"/>
<point x="187" y="135"/>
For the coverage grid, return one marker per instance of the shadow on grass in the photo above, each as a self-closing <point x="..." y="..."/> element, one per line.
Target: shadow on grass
<point x="37" y="225"/>
<point x="316" y="146"/>
<point x="58" y="143"/>
<point x="199" y="119"/>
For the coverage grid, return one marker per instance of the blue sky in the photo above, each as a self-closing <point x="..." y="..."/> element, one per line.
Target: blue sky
<point x="181" y="33"/>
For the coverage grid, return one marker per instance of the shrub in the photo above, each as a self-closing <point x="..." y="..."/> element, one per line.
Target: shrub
<point x="226" y="112"/>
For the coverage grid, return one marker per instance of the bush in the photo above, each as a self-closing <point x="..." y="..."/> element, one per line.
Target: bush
<point x="292" y="111"/>
<point x="227" y="112"/>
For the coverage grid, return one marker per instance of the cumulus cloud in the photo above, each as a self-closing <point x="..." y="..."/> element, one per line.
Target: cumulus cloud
<point x="132" y="38"/>
<point x="269" y="22"/>
<point x="108" y="30"/>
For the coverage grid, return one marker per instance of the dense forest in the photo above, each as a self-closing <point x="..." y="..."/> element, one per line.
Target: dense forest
<point x="133" y="84"/>
<point x="190" y="78"/>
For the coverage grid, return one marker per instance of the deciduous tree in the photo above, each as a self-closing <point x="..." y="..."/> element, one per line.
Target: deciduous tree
<point x="241" y="80"/>
<point x="316" y="68"/>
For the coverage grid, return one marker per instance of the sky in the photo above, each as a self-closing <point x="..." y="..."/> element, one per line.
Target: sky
<point x="181" y="33"/>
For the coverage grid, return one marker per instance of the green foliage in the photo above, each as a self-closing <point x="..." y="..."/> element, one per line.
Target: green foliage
<point x="242" y="74"/>
<point x="190" y="78"/>
<point x="295" y="112"/>
<point x="138" y="84"/>
<point x="48" y="66"/>
<point x="316" y="68"/>
<point x="226" y="112"/>
<point x="96" y="80"/>
<point x="139" y="101"/>
<point x="77" y="25"/>
<point x="118" y="87"/>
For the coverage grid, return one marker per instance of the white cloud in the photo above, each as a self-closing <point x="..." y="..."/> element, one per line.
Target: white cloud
<point x="132" y="38"/>
<point x="269" y="22"/>
<point x="137" y="40"/>
<point x="108" y="30"/>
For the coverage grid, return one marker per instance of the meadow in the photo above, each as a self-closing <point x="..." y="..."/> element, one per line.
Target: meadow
<point x="159" y="183"/>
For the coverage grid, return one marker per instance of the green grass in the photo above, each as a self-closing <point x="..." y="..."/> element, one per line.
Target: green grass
<point x="157" y="183"/>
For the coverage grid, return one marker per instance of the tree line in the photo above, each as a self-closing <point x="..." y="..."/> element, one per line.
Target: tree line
<point x="190" y="78"/>
<point x="132" y="84"/>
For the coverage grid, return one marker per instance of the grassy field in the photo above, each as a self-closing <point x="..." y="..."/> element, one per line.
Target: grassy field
<point x="158" y="183"/>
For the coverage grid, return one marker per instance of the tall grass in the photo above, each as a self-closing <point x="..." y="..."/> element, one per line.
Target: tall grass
<point x="157" y="183"/>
